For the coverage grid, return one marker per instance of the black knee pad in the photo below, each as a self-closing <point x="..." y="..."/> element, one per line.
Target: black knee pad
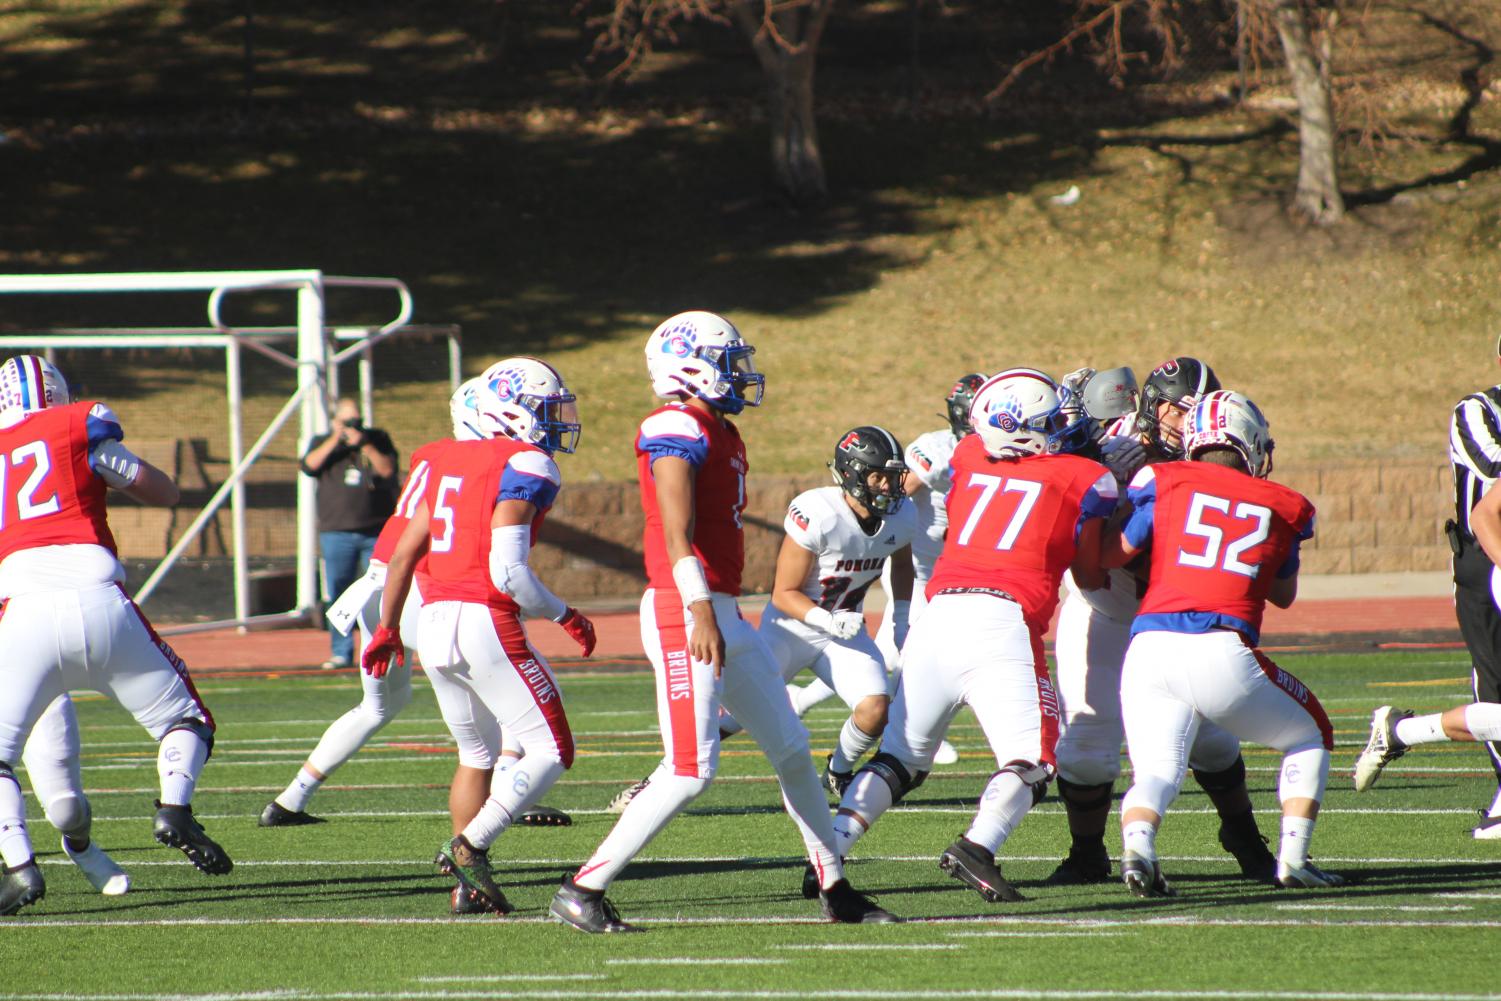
<point x="1231" y="778"/>
<point x="895" y="775"/>
<point x="193" y="724"/>
<point x="1036" y="777"/>
<point x="1082" y="797"/>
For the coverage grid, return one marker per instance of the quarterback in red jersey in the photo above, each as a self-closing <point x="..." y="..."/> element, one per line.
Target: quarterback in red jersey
<point x="691" y="464"/>
<point x="1021" y="512"/>
<point x="477" y="520"/>
<point x="66" y="622"/>
<point x="1224" y="541"/>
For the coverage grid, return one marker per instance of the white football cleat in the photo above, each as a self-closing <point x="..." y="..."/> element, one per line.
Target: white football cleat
<point x="623" y="797"/>
<point x="946" y="755"/>
<point x="1382" y="748"/>
<point x="1489" y="828"/>
<point x="101" y="870"/>
<point x="1306" y="876"/>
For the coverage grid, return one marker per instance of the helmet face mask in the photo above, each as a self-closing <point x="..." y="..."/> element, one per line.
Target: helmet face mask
<point x="525" y="399"/>
<point x="1019" y="413"/>
<point x="1177" y="383"/>
<point x="29" y="383"/>
<point x="868" y="467"/>
<point x="958" y="402"/>
<point x="703" y="355"/>
<point x="1224" y="419"/>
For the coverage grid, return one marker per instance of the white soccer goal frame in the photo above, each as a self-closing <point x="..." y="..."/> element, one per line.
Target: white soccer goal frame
<point x="316" y="361"/>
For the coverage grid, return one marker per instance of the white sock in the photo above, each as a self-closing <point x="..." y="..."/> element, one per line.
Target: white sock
<point x="1483" y="720"/>
<point x="866" y="799"/>
<point x="1293" y="848"/>
<point x="806" y="697"/>
<point x="1140" y="838"/>
<point x="295" y="796"/>
<point x="853" y="743"/>
<point x="15" y="844"/>
<point x="1005" y="802"/>
<point x="179" y="761"/>
<point x="1421" y="729"/>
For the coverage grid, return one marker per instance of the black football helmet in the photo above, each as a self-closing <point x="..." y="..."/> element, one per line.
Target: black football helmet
<point x="864" y="450"/>
<point x="1180" y="382"/>
<point x="958" y="401"/>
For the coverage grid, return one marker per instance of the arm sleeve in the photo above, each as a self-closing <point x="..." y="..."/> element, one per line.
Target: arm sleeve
<point x="1143" y="497"/>
<point x="676" y="434"/>
<point x="531" y="476"/>
<point x="1475" y="436"/>
<point x="509" y="547"/>
<point x="102" y="425"/>
<point x="1099" y="501"/>
<point x="113" y="463"/>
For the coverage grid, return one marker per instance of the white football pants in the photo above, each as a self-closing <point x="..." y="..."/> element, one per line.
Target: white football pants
<point x="853" y="668"/>
<point x="52" y="765"/>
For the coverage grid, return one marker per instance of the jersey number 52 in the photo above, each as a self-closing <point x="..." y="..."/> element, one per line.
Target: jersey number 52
<point x="1224" y="550"/>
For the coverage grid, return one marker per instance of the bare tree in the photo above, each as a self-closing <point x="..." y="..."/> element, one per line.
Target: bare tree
<point x="784" y="35"/>
<point x="1317" y="195"/>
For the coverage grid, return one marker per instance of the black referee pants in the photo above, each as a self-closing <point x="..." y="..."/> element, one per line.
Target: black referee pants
<point x="1480" y="625"/>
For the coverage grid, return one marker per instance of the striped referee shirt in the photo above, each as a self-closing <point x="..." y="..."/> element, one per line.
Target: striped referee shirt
<point x="1475" y="450"/>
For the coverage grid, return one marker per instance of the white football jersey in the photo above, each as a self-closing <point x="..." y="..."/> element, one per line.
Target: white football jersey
<point x="1120" y="599"/>
<point x="848" y="561"/>
<point x="928" y="456"/>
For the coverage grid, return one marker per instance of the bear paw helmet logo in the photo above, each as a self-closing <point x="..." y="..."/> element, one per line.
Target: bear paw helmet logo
<point x="678" y="341"/>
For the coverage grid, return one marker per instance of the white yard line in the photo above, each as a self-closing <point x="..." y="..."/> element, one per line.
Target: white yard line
<point x="1044" y="993"/>
<point x="698" y="960"/>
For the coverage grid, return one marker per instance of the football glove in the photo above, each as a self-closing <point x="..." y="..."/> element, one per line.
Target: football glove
<point x="1123" y="455"/>
<point x="577" y="625"/>
<point x="384" y="649"/>
<point x="840" y="625"/>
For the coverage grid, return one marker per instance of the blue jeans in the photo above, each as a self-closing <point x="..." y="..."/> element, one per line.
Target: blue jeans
<point x="345" y="557"/>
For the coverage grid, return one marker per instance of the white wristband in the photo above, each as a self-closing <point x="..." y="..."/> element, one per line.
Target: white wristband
<point x="688" y="574"/>
<point x="900" y="610"/>
<point x="821" y="619"/>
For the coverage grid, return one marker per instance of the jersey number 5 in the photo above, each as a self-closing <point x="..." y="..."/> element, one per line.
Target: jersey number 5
<point x="27" y="506"/>
<point x="1260" y="519"/>
<point x="989" y="486"/>
<point x="443" y="511"/>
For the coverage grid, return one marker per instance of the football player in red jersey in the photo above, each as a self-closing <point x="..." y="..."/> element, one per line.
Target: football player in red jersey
<point x="691" y="467"/>
<point x="66" y="622"/>
<point x="481" y="507"/>
<point x="1021" y="512"/>
<point x="1224" y="541"/>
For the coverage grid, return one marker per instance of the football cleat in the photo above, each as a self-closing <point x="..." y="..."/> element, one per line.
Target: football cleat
<point x="587" y="910"/>
<point x="544" y="816"/>
<point x="975" y="866"/>
<point x="1250" y="850"/>
<point x="466" y="901"/>
<point x="19" y="887"/>
<point x="1085" y="864"/>
<point x="1489" y="828"/>
<point x="845" y="905"/>
<point x="276" y="815"/>
<point x="836" y="782"/>
<point x="100" y="870"/>
<point x="1306" y="876"/>
<point x="1382" y="748"/>
<point x="945" y="755"/>
<point x="471" y="867"/>
<point x="810" y="888"/>
<point x="176" y="828"/>
<point x="1143" y="877"/>
<point x="623" y="798"/>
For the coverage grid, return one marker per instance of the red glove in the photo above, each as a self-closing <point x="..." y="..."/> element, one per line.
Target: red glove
<point x="384" y="648"/>
<point x="575" y="624"/>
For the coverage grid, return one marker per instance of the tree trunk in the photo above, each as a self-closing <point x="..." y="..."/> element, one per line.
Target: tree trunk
<point x="1318" y="194"/>
<point x="786" y="45"/>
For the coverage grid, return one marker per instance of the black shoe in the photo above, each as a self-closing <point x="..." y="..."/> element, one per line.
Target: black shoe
<point x="975" y="866"/>
<point x="586" y="910"/>
<point x="1086" y="863"/>
<point x="811" y="889"/>
<point x="845" y="905"/>
<point x="836" y="782"/>
<point x="466" y="901"/>
<point x="1251" y="852"/>
<point x="544" y="816"/>
<point x="176" y="828"/>
<point x="19" y="887"/>
<point x="1144" y="878"/>
<point x="276" y="815"/>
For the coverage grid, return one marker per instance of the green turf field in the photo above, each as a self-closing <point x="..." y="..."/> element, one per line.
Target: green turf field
<point x="354" y="908"/>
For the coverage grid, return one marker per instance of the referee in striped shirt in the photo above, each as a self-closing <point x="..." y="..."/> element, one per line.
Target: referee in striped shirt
<point x="1475" y="455"/>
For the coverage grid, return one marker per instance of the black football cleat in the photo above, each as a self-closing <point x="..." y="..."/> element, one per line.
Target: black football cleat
<point x="1086" y="864"/>
<point x="21" y="886"/>
<point x="471" y="867"/>
<point x="810" y="887"/>
<point x="587" y="910"/>
<point x="176" y="828"/>
<point x="276" y="815"/>
<point x="465" y="901"/>
<point x="544" y="816"/>
<point x="976" y="867"/>
<point x="1256" y="861"/>
<point x="1143" y="877"/>
<point x="845" y="905"/>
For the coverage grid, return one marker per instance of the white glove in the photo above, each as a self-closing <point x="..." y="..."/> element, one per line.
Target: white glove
<point x="1123" y="455"/>
<point x="840" y="625"/>
<point x="1076" y="379"/>
<point x="900" y="613"/>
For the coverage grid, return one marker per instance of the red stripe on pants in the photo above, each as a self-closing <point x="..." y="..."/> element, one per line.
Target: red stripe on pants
<point x="1047" y="702"/>
<point x="170" y="655"/>
<point x="533" y="670"/>
<point x="682" y="711"/>
<point x="1300" y="693"/>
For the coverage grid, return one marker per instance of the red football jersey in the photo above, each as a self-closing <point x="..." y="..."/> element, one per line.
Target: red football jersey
<point x="406" y="506"/>
<point x="1014" y="523"/>
<point x="465" y="480"/>
<point x="49" y="494"/>
<point x="1219" y="538"/>
<point x="717" y="454"/>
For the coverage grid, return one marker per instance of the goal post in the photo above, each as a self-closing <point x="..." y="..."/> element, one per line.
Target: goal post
<point x="307" y="354"/>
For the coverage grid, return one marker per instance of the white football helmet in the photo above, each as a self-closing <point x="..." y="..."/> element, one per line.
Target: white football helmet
<point x="703" y="355"/>
<point x="29" y="383"/>
<point x="525" y="399"/>
<point x="463" y="409"/>
<point x="1018" y="413"/>
<point x="1224" y="419"/>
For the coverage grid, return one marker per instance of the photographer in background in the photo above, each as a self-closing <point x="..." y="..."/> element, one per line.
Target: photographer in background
<point x="356" y="471"/>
